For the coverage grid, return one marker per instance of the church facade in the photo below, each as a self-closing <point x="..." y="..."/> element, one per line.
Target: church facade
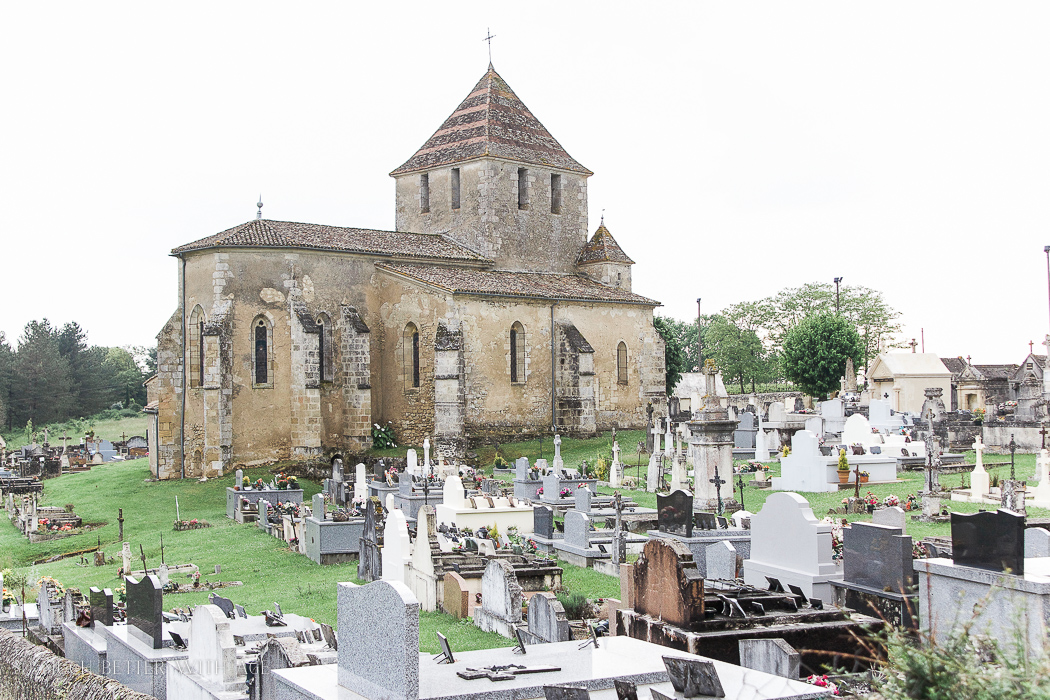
<point x="489" y="313"/>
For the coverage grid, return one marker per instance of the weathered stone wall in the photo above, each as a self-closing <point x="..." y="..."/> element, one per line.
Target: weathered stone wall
<point x="166" y="389"/>
<point x="489" y="220"/>
<point x="30" y="672"/>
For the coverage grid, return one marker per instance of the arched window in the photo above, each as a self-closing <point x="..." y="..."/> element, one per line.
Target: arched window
<point x="324" y="348"/>
<point x="195" y="343"/>
<point x="410" y="356"/>
<point x="262" y="344"/>
<point x="621" y="363"/>
<point x="517" y="353"/>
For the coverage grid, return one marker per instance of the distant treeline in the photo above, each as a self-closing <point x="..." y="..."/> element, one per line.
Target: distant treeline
<point x="52" y="375"/>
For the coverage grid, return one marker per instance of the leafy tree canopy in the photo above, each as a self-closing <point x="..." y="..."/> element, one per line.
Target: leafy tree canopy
<point x="815" y="351"/>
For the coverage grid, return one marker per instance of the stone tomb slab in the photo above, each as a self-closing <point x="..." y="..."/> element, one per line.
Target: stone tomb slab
<point x="616" y="658"/>
<point x="992" y="541"/>
<point x="877" y="557"/>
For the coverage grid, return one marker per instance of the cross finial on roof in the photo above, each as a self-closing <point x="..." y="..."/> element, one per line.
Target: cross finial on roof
<point x="1030" y="345"/>
<point x="489" y="39"/>
<point x="258" y="214"/>
<point x="603" y="218"/>
<point x="913" y="344"/>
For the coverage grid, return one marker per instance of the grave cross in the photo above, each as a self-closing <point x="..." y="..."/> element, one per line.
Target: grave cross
<point x="1013" y="448"/>
<point x="162" y="549"/>
<point x="740" y="485"/>
<point x="1043" y="432"/>
<point x="142" y="553"/>
<point x="120" y="524"/>
<point x="856" y="478"/>
<point x="718" y="489"/>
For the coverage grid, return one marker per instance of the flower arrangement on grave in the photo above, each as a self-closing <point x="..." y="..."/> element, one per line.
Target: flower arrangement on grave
<point x="246" y="482"/>
<point x="911" y="503"/>
<point x="196" y="579"/>
<point x="122" y="594"/>
<point x="785" y="451"/>
<point x="282" y="481"/>
<point x="601" y="467"/>
<point x="917" y="550"/>
<point x="9" y="598"/>
<point x="836" y="547"/>
<point x="823" y="682"/>
<point x="494" y="533"/>
<point x="293" y="482"/>
<point x="499" y="463"/>
<point x="539" y="491"/>
<point x="383" y="436"/>
<point x="259" y="485"/>
<point x="864" y="476"/>
<point x="871" y="499"/>
<point x="56" y="588"/>
<point x="978" y="416"/>
<point x="565" y="492"/>
<point x="891" y="501"/>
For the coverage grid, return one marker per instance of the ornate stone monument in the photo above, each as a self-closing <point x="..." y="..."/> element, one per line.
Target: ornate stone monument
<point x="710" y="442"/>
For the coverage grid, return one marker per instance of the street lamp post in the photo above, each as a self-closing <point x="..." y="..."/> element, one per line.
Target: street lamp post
<point x="837" y="281"/>
<point x="699" y="358"/>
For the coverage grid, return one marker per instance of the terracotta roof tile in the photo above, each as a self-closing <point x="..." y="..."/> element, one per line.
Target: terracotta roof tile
<point x="265" y="233"/>
<point x="491" y="121"/>
<point x="503" y="283"/>
<point x="602" y="248"/>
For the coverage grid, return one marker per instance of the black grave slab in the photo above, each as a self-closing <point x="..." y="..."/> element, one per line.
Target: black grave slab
<point x="992" y="541"/>
<point x="145" y="606"/>
<point x="693" y="677"/>
<point x="675" y="513"/>
<point x="101" y="606"/>
<point x="706" y="521"/>
<point x="565" y="692"/>
<point x="877" y="556"/>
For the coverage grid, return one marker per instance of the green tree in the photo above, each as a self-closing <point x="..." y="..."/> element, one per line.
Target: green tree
<point x="674" y="357"/>
<point x="124" y="377"/>
<point x="815" y="352"/>
<point x="7" y="362"/>
<point x="88" y="389"/>
<point x="738" y="352"/>
<point x="41" y="386"/>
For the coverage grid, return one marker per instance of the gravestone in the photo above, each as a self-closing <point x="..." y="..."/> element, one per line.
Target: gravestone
<point x="551" y="487"/>
<point x="370" y="563"/>
<point x="387" y="615"/>
<point x="224" y="604"/>
<point x="145" y="609"/>
<point x="239" y="612"/>
<point x="521" y="468"/>
<point x="212" y="652"/>
<point x="396" y="546"/>
<point x="360" y="485"/>
<point x="877" y="557"/>
<point x="992" y="541"/>
<point x="500" y="609"/>
<point x="893" y="517"/>
<point x="413" y="464"/>
<point x="263" y="520"/>
<point x="583" y="500"/>
<point x="547" y="620"/>
<point x="790" y="544"/>
<point x="777" y="413"/>
<point x="275" y="654"/>
<point x="543" y="521"/>
<point x="1012" y="495"/>
<point x="318" y="506"/>
<point x="667" y="583"/>
<point x="577" y="529"/>
<point x="101" y="602"/>
<point x="675" y="513"/>
<point x="692" y="677"/>
<point x="721" y="561"/>
<point x="706" y="521"/>
<point x="1036" y="542"/>
<point x="457" y="595"/>
<point x="773" y="656"/>
<point x="761" y="446"/>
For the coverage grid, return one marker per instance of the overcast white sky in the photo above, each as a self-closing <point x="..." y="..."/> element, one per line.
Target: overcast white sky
<point x="738" y="148"/>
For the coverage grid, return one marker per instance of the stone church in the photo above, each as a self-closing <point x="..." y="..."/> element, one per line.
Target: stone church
<point x="489" y="313"/>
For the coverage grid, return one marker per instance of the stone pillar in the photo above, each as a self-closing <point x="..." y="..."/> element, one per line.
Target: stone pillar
<point x="355" y="354"/>
<point x="711" y="445"/>
<point x="306" y="384"/>
<point x="575" y="398"/>
<point x="450" y="407"/>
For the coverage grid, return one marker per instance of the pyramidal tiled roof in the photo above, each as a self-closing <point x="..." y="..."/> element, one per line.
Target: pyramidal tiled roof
<point x="266" y="233"/>
<point x="491" y="121"/>
<point x="602" y="248"/>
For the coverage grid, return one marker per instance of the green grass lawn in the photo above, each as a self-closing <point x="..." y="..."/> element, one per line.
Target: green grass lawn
<point x="269" y="570"/>
<point x="110" y="429"/>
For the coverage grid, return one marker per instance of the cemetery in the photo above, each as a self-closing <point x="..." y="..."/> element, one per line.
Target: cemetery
<point x="766" y="566"/>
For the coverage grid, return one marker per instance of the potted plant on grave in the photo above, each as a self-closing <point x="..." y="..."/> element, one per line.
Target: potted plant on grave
<point x="259" y="485"/>
<point x="864" y="477"/>
<point x="246" y="483"/>
<point x="843" y="469"/>
<point x="978" y="416"/>
<point x="293" y="483"/>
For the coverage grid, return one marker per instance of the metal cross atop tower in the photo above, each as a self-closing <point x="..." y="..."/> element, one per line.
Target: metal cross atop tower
<point x="489" y="39"/>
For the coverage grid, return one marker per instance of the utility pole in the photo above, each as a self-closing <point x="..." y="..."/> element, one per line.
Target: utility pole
<point x="838" y="309"/>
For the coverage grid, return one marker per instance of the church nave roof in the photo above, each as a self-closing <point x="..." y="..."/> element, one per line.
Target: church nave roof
<point x="265" y="233"/>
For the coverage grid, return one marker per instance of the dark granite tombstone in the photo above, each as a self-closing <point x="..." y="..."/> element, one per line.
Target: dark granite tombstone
<point x="876" y="449"/>
<point x="145" y="606"/>
<point x="101" y="606"/>
<point x="225" y="604"/>
<point x="626" y="690"/>
<point x="706" y="521"/>
<point x="565" y="692"/>
<point x="877" y="556"/>
<point x="370" y="563"/>
<point x="675" y="513"/>
<point x="377" y="472"/>
<point x="329" y="636"/>
<point x="239" y="610"/>
<point x="993" y="541"/>
<point x="543" y="521"/>
<point x="693" y="677"/>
